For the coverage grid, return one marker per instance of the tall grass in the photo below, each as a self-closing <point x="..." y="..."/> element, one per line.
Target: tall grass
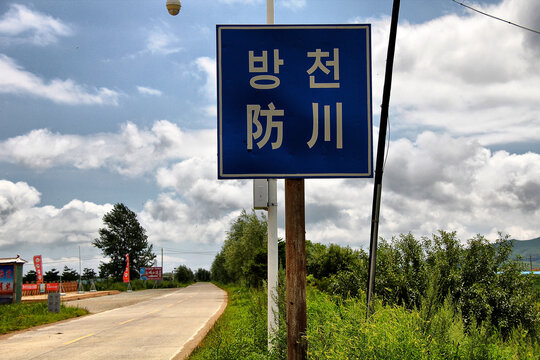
<point x="338" y="329"/>
<point x="24" y="315"/>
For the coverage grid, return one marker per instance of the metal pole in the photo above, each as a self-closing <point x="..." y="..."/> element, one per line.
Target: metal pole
<point x="270" y="12"/>
<point x="377" y="188"/>
<point x="80" y="289"/>
<point x="273" y="311"/>
<point x="272" y="308"/>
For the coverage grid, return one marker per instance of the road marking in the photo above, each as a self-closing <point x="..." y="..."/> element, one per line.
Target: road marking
<point x="125" y="322"/>
<point x="170" y="305"/>
<point x="155" y="311"/>
<point x="189" y="297"/>
<point x="75" y="340"/>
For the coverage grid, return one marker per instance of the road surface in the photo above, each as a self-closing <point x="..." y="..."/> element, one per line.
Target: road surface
<point x="165" y="327"/>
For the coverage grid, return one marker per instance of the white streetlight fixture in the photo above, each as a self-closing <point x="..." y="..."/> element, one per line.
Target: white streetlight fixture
<point x="173" y="7"/>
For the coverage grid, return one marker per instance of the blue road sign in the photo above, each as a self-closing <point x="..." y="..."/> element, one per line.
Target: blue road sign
<point x="143" y="273"/>
<point x="294" y="101"/>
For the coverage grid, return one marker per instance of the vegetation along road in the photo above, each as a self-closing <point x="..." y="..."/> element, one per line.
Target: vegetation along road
<point x="164" y="327"/>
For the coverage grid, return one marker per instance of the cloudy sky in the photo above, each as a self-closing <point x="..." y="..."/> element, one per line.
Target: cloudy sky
<point x="104" y="102"/>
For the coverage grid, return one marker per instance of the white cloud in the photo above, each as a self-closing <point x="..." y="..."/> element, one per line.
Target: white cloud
<point x="170" y="220"/>
<point x="16" y="80"/>
<point x="131" y="152"/>
<point x="22" y="25"/>
<point x="149" y="91"/>
<point x="208" y="67"/>
<point x="431" y="183"/>
<point x="23" y="222"/>
<point x="14" y="196"/>
<point x="293" y="4"/>
<point x="162" y="40"/>
<point x="436" y="182"/>
<point x="195" y="179"/>
<point x="467" y="75"/>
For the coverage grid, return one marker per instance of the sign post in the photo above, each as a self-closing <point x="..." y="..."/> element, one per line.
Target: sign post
<point x="295" y="234"/>
<point x="294" y="102"/>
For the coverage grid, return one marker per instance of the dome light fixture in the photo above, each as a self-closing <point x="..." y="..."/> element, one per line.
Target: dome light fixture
<point x="173" y="7"/>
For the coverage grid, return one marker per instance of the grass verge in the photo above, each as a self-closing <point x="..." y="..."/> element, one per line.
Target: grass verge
<point x="240" y="332"/>
<point x="338" y="329"/>
<point x="25" y="315"/>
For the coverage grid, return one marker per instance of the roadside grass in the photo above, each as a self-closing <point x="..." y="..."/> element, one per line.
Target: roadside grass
<point x="338" y="329"/>
<point x="240" y="332"/>
<point x="25" y="315"/>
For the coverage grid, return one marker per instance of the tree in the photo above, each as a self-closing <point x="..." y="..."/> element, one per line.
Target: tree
<point x="218" y="271"/>
<point x="30" y="276"/>
<point x="202" y="275"/>
<point x="184" y="274"/>
<point x="88" y="274"/>
<point x="123" y="234"/>
<point x="51" y="275"/>
<point x="69" y="274"/>
<point x="411" y="263"/>
<point x="242" y="258"/>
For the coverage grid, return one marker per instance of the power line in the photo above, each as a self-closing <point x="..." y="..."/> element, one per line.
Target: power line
<point x="173" y="251"/>
<point x="497" y="18"/>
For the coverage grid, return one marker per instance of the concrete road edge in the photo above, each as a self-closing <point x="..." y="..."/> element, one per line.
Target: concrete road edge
<point x="196" y="339"/>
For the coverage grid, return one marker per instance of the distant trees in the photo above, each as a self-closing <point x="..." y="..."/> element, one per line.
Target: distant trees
<point x="123" y="234"/>
<point x="202" y="275"/>
<point x="184" y="274"/>
<point x="51" y="275"/>
<point x="243" y="256"/>
<point x="69" y="274"/>
<point x="30" y="276"/>
<point x="88" y="274"/>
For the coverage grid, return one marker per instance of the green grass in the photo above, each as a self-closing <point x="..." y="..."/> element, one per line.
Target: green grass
<point x="338" y="329"/>
<point x="240" y="332"/>
<point x="25" y="315"/>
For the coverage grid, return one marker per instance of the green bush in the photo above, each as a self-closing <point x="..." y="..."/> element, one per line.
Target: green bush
<point x="338" y="329"/>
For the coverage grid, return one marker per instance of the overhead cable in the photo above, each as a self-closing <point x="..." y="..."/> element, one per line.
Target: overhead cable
<point x="497" y="18"/>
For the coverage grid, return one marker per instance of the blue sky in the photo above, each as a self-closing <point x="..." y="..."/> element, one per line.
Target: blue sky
<point x="104" y="102"/>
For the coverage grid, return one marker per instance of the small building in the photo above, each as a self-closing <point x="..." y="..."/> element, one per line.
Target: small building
<point x="11" y="270"/>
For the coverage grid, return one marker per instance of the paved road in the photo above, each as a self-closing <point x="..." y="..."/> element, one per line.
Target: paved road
<point x="165" y="327"/>
<point x="104" y="303"/>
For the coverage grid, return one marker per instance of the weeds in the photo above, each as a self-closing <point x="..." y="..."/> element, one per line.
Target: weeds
<point x="338" y="329"/>
<point x="24" y="315"/>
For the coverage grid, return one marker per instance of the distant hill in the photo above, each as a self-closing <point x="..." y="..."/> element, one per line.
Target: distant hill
<point x="527" y="249"/>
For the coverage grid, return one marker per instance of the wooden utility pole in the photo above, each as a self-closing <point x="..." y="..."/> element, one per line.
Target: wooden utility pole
<point x="295" y="234"/>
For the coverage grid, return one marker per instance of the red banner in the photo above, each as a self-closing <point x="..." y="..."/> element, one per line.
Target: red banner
<point x="126" y="272"/>
<point x="26" y="287"/>
<point x="39" y="268"/>
<point x="52" y="287"/>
